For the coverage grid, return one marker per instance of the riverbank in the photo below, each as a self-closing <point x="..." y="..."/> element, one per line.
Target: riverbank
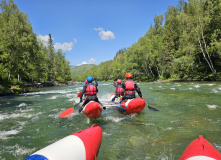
<point x="11" y="89"/>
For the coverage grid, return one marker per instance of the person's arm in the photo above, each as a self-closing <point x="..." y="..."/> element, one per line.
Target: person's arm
<point x="124" y="85"/>
<point x="96" y="84"/>
<point x="83" y="91"/>
<point x="138" y="90"/>
<point x="114" y="84"/>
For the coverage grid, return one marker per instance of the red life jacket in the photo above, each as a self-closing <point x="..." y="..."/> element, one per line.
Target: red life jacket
<point x="119" y="90"/>
<point x="129" y="89"/>
<point x="91" y="89"/>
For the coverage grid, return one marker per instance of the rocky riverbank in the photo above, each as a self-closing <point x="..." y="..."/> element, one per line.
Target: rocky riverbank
<point x="6" y="90"/>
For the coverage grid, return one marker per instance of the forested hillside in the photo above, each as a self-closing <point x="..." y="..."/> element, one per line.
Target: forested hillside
<point x="22" y="57"/>
<point x="185" y="43"/>
<point x="80" y="69"/>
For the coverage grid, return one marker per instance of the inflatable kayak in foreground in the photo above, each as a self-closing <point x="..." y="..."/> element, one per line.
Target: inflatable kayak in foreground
<point x="135" y="105"/>
<point x="82" y="145"/>
<point x="200" y="149"/>
<point x="92" y="109"/>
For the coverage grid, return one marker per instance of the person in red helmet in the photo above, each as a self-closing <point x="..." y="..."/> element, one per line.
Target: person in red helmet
<point x="119" y="92"/>
<point x="130" y="87"/>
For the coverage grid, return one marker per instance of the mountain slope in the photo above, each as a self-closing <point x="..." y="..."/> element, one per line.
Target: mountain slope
<point x="75" y="70"/>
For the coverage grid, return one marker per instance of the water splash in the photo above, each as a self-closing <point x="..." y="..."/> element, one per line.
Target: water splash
<point x="212" y="106"/>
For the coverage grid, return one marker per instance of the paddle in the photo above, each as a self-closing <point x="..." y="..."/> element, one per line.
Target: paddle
<point x="79" y="94"/>
<point x="68" y="111"/>
<point x="151" y="108"/>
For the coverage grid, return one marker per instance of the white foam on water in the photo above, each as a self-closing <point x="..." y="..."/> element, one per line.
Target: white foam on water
<point x="190" y="88"/>
<point x="214" y="91"/>
<point x="17" y="150"/>
<point x="105" y="84"/>
<point x="172" y="88"/>
<point x="208" y="84"/>
<point x="53" y="97"/>
<point x="114" y="119"/>
<point x="217" y="146"/>
<point x="71" y="115"/>
<point x="4" y="134"/>
<point x="72" y="99"/>
<point x="219" y="88"/>
<point x="197" y="86"/>
<point x="78" y="89"/>
<point x="48" y="92"/>
<point x="212" y="106"/>
<point x="105" y="97"/>
<point x="22" y="105"/>
<point x="14" y="115"/>
<point x="23" y="151"/>
<point x="70" y="95"/>
<point x="88" y="120"/>
<point x="106" y="134"/>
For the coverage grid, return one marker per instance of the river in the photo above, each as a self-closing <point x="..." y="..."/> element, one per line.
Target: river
<point x="29" y="122"/>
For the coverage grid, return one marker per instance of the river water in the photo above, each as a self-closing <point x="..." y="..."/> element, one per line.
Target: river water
<point x="29" y="122"/>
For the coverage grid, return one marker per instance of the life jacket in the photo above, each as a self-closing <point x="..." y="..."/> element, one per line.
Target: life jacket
<point x="119" y="90"/>
<point x="129" y="89"/>
<point x="91" y="89"/>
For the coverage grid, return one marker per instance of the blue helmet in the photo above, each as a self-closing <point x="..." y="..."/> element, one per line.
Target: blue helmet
<point x="89" y="79"/>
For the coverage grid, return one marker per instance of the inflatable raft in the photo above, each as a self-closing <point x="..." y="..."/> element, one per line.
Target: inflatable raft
<point x="92" y="109"/>
<point x="82" y="145"/>
<point x="200" y="149"/>
<point x="134" y="105"/>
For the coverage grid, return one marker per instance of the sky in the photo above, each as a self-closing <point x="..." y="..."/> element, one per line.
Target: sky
<point x="92" y="31"/>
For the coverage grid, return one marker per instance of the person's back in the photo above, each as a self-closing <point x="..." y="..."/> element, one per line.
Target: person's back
<point x="130" y="87"/>
<point x="119" y="92"/>
<point x="90" y="91"/>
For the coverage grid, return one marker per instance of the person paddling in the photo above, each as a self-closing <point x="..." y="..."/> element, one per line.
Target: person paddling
<point x="130" y="87"/>
<point x="119" y="92"/>
<point x="90" y="91"/>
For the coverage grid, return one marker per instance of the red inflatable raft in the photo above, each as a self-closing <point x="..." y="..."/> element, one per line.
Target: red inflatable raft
<point x="200" y="149"/>
<point x="92" y="109"/>
<point x="82" y="145"/>
<point x="134" y="105"/>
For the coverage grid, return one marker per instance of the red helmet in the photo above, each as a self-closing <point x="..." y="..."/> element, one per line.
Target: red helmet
<point x="128" y="75"/>
<point x="119" y="81"/>
<point x="86" y="81"/>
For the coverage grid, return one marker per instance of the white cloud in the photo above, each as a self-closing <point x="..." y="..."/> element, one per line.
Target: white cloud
<point x="75" y="40"/>
<point x="92" y="60"/>
<point x="43" y="39"/>
<point x="82" y="63"/>
<point x="105" y="35"/>
<point x="65" y="46"/>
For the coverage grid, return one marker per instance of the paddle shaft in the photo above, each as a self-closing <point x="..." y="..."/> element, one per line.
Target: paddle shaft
<point x="151" y="108"/>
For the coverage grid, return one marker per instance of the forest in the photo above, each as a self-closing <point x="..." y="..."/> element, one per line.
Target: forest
<point x="184" y="43"/>
<point x="23" y="58"/>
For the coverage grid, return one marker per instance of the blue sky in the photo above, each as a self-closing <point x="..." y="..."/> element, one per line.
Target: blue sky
<point x="92" y="31"/>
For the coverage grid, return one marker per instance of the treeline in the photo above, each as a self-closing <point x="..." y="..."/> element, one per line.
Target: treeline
<point x="185" y="43"/>
<point x="22" y="57"/>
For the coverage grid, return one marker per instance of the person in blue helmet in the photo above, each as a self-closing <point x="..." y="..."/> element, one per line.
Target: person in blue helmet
<point x="90" y="91"/>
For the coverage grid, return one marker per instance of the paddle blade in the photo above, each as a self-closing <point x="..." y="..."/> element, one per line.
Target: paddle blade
<point x="67" y="112"/>
<point x="154" y="109"/>
<point x="79" y="94"/>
